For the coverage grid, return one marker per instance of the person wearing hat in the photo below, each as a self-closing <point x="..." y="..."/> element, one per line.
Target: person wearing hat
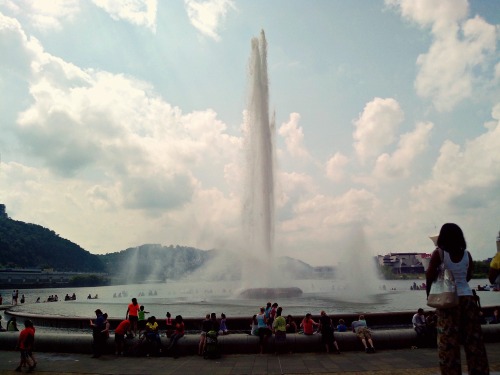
<point x="98" y="328"/>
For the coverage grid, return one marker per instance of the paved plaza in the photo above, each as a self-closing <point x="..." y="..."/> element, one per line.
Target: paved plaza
<point x="388" y="362"/>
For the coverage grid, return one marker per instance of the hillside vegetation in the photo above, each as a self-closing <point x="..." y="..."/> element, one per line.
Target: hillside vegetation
<point x="25" y="245"/>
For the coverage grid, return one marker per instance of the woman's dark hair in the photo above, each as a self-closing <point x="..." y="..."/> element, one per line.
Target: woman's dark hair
<point x="178" y="319"/>
<point x="278" y="311"/>
<point x="28" y="323"/>
<point x="451" y="238"/>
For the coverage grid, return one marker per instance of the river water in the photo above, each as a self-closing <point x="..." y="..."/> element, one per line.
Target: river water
<point x="194" y="299"/>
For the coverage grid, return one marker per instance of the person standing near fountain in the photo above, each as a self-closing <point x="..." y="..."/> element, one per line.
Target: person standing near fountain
<point x="133" y="315"/>
<point x="98" y="327"/>
<point x="460" y="323"/>
<point x="263" y="329"/>
<point x="327" y="336"/>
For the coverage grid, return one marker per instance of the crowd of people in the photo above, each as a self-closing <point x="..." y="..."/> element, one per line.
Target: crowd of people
<point x="268" y="322"/>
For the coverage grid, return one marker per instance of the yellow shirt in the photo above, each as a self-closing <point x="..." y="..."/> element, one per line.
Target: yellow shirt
<point x="152" y="327"/>
<point x="495" y="262"/>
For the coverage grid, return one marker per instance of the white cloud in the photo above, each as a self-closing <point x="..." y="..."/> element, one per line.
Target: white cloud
<point x="137" y="12"/>
<point x="460" y="45"/>
<point x="294" y="137"/>
<point x="431" y="13"/>
<point x="410" y="146"/>
<point x="45" y="14"/>
<point x="497" y="72"/>
<point x="335" y="167"/>
<point x="207" y="15"/>
<point x="376" y="127"/>
<point x="316" y="215"/>
<point x="112" y="140"/>
<point x="464" y="178"/>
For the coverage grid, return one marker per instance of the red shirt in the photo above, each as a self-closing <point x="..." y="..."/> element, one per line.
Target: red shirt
<point x="307" y="324"/>
<point x="133" y="310"/>
<point x="25" y="342"/>
<point x="179" y="328"/>
<point x="122" y="327"/>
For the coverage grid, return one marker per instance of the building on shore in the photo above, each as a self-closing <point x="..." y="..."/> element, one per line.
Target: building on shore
<point x="405" y="262"/>
<point x="36" y="277"/>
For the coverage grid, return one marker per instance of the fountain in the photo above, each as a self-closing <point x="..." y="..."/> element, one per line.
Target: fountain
<point x="258" y="207"/>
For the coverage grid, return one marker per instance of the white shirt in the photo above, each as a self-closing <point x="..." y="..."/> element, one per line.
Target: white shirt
<point x="459" y="273"/>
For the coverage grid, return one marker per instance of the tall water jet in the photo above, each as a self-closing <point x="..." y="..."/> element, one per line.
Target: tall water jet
<point x="258" y="207"/>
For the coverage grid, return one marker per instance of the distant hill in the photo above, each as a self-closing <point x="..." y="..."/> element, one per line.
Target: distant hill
<point x="154" y="262"/>
<point x="25" y="245"/>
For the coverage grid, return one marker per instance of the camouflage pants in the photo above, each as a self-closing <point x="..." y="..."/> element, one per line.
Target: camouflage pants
<point x="461" y="325"/>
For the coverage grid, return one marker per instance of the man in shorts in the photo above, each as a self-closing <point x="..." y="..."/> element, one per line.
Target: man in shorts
<point x="361" y="330"/>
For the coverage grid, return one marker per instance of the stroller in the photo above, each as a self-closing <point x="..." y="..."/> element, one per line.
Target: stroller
<point x="212" y="349"/>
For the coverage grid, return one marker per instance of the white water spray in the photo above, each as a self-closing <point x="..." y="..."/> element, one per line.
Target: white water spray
<point x="258" y="209"/>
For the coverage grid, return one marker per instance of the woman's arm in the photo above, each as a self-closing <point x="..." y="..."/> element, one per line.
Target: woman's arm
<point x="470" y="269"/>
<point x="432" y="270"/>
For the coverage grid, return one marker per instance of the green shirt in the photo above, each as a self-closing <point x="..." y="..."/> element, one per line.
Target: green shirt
<point x="279" y="324"/>
<point x="140" y="315"/>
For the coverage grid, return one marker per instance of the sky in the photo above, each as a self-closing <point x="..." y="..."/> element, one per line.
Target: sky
<point x="122" y="121"/>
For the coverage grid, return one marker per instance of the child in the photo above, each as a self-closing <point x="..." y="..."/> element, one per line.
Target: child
<point x="223" y="328"/>
<point x="170" y="324"/>
<point x="342" y="327"/>
<point x="141" y="315"/>
<point x="25" y="346"/>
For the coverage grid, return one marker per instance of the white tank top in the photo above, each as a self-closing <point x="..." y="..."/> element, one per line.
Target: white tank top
<point x="459" y="272"/>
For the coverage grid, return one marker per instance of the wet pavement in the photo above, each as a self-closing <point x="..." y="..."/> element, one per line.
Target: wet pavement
<point x="420" y="361"/>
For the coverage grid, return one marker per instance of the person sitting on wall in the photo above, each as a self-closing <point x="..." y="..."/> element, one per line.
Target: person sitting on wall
<point x="361" y="330"/>
<point x="419" y="324"/>
<point x="291" y="326"/>
<point x="341" y="327"/>
<point x="152" y="333"/>
<point x="206" y="325"/>
<point x="308" y="324"/>
<point x="12" y="324"/>
<point x="496" y="317"/>
<point x="178" y="334"/>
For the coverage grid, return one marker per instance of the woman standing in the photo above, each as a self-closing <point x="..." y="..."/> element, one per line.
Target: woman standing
<point x="461" y="322"/>
<point x="133" y="315"/>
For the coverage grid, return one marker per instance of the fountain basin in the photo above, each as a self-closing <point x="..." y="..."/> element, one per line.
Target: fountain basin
<point x="258" y="293"/>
